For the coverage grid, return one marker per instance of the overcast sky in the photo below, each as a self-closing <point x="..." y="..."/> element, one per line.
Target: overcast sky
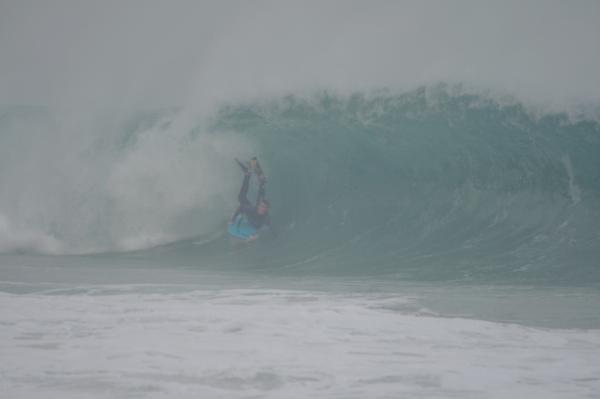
<point x="139" y="53"/>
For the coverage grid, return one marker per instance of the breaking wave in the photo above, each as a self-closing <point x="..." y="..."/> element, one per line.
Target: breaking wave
<point x="427" y="184"/>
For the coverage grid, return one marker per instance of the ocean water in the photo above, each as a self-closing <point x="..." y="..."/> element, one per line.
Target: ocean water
<point x="430" y="243"/>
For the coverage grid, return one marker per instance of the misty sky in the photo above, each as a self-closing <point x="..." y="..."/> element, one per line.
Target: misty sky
<point x="140" y="53"/>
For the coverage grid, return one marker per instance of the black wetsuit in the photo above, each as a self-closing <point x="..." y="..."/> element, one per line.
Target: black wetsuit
<point x="249" y="210"/>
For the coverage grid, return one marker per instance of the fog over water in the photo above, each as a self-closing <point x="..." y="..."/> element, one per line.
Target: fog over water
<point x="187" y="53"/>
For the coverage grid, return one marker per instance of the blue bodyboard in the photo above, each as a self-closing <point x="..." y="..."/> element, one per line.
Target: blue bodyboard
<point x="241" y="229"/>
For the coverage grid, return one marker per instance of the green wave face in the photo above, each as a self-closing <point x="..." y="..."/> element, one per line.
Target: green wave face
<point x="425" y="185"/>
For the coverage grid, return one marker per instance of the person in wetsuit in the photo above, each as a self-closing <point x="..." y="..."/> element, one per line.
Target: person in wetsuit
<point x="257" y="215"/>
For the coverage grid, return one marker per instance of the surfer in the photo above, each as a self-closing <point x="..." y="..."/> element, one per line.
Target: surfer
<point x="257" y="215"/>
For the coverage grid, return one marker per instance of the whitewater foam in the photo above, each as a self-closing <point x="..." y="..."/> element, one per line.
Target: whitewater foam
<point x="240" y="342"/>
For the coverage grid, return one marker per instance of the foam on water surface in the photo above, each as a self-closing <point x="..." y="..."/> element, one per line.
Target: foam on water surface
<point x="132" y="341"/>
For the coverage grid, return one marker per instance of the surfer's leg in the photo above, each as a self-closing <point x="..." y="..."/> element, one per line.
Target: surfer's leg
<point x="244" y="190"/>
<point x="261" y="193"/>
<point x="258" y="170"/>
<point x="236" y="214"/>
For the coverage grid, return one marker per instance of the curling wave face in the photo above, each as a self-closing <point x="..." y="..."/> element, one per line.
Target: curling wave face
<point x="426" y="185"/>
